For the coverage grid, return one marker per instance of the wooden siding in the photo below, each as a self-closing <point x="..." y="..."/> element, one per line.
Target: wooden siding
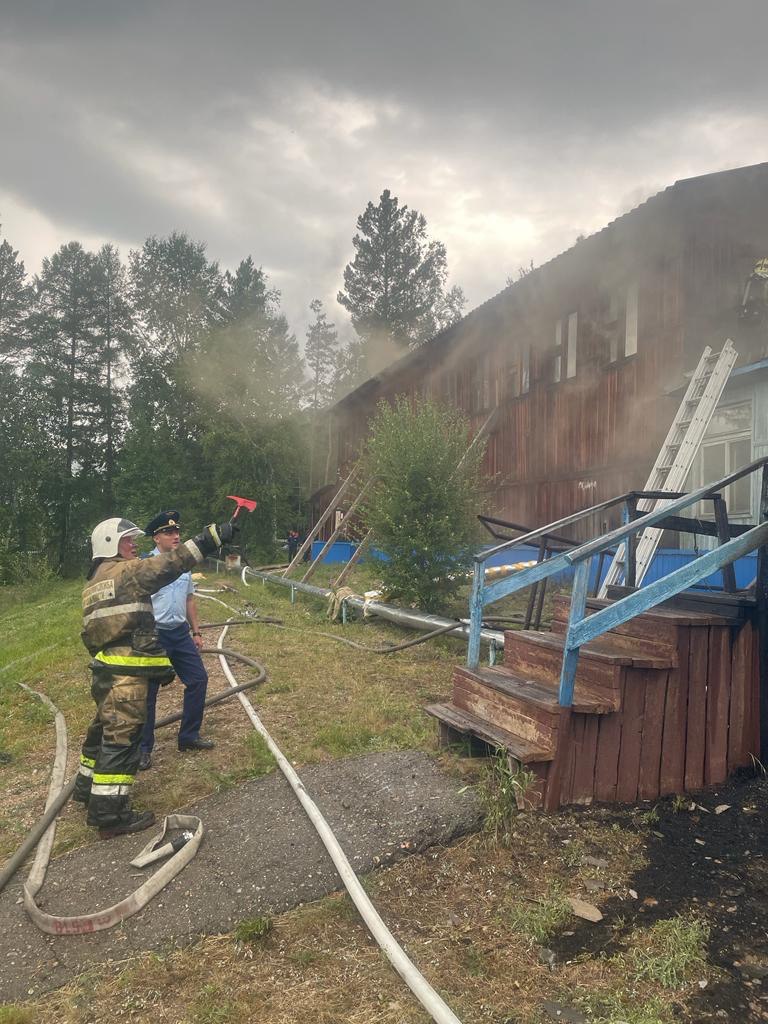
<point x="564" y="445"/>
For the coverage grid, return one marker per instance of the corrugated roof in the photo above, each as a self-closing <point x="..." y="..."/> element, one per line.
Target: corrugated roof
<point x="427" y="349"/>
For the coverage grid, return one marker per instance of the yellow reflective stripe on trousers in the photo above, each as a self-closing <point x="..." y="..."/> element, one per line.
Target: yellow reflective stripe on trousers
<point x="89" y="762"/>
<point x="112" y="780"/>
<point x="133" y="660"/>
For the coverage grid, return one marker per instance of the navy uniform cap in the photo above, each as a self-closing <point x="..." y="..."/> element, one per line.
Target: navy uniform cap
<point x="162" y="521"/>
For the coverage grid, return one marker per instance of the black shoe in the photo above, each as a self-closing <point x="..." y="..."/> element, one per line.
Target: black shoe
<point x="145" y="761"/>
<point x="198" y="744"/>
<point x="138" y="821"/>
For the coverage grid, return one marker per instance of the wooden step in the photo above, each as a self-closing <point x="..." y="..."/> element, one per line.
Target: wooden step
<point x="531" y="696"/>
<point x="467" y="724"/>
<point x="650" y="645"/>
<point x="539" y="656"/>
<point x="659" y="627"/>
<point x="499" y="697"/>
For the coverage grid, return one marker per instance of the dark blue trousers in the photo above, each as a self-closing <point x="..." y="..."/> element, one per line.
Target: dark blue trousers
<point x="188" y="666"/>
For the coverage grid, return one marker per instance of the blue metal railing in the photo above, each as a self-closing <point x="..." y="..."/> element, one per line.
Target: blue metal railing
<point x="583" y="628"/>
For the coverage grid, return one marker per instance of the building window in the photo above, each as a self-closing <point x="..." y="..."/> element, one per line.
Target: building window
<point x="621" y="323"/>
<point x="727" y="446"/>
<point x="557" y="361"/>
<point x="566" y="334"/>
<point x="630" y="334"/>
<point x="573" y="330"/>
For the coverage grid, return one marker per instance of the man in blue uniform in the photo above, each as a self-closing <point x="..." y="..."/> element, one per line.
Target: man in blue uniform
<point x="175" y="615"/>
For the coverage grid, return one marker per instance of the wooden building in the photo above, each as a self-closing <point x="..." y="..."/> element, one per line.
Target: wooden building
<point x="584" y="355"/>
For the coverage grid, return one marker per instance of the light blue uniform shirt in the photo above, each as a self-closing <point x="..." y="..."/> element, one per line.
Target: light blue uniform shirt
<point x="170" y="603"/>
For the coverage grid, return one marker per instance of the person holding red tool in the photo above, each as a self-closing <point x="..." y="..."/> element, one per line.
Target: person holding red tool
<point x="175" y="616"/>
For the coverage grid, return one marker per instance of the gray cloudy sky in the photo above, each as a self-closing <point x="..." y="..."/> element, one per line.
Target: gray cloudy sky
<point x="264" y="128"/>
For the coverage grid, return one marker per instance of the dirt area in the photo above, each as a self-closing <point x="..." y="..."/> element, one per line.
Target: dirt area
<point x="710" y="862"/>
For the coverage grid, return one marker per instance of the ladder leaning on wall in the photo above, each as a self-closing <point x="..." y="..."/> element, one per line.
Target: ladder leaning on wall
<point x="671" y="469"/>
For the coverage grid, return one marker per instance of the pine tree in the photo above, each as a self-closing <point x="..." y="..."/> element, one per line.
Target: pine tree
<point x="66" y="368"/>
<point x="114" y="331"/>
<point x="394" y="287"/>
<point x="15" y="301"/>
<point x="320" y="351"/>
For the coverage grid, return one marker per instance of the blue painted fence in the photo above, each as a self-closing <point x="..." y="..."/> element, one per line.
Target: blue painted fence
<point x="665" y="560"/>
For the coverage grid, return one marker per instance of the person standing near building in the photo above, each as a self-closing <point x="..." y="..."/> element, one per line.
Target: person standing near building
<point x="119" y="634"/>
<point x="175" y="616"/>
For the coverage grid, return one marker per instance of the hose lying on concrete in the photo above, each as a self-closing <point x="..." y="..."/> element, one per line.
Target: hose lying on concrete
<point x="57" y="802"/>
<point x="433" y="1003"/>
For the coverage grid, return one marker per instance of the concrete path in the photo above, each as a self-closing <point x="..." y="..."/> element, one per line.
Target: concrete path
<point x="260" y="855"/>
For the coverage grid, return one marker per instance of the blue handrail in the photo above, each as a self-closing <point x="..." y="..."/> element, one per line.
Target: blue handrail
<point x="583" y="628"/>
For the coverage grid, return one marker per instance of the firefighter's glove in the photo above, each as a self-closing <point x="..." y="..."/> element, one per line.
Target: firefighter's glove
<point x="214" y="536"/>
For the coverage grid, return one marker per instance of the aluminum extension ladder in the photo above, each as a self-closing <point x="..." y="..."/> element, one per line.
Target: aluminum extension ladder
<point x="671" y="469"/>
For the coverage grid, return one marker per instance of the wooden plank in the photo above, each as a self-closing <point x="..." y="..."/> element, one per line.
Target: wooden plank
<point x="538" y="660"/>
<point x="754" y="700"/>
<point x="471" y="725"/>
<point x="559" y="762"/>
<point x="741" y="666"/>
<point x="607" y="757"/>
<point x="653" y="731"/>
<point x="718" y="700"/>
<point x="697" y="708"/>
<point x="534" y="726"/>
<point x="656" y="625"/>
<point x="584" y="768"/>
<point x="631" y="737"/>
<point x="571" y="755"/>
<point x="672" y="773"/>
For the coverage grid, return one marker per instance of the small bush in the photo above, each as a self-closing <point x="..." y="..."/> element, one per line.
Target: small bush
<point x="424" y="503"/>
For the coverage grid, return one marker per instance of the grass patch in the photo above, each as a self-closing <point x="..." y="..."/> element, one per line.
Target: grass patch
<point x="16" y="1015"/>
<point x="505" y="788"/>
<point x="669" y="952"/>
<point x="253" y="930"/>
<point x="627" y="1008"/>
<point x="213" y="1007"/>
<point x="539" y="920"/>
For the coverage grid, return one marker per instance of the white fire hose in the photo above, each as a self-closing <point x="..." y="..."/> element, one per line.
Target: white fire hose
<point x="432" y="1002"/>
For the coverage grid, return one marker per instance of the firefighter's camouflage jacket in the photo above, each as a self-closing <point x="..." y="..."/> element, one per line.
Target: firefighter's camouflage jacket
<point x="118" y="621"/>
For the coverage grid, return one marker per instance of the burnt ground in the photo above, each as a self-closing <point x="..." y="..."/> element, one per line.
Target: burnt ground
<point x="700" y="860"/>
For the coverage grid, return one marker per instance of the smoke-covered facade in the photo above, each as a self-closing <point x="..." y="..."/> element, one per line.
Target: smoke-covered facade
<point x="584" y="356"/>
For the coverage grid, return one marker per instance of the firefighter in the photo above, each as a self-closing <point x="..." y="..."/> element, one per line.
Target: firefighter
<point x="119" y="632"/>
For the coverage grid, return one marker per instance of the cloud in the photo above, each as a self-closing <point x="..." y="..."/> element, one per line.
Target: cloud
<point x="264" y="129"/>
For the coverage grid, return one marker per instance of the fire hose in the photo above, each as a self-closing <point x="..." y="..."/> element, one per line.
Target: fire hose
<point x="432" y="1002"/>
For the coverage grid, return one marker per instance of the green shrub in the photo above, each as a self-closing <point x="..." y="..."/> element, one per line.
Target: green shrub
<point x="424" y="503"/>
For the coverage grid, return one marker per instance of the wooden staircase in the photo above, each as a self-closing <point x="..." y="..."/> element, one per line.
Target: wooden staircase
<point x="665" y="703"/>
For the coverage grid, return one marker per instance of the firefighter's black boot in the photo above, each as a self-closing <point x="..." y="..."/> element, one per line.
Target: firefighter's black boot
<point x="137" y="822"/>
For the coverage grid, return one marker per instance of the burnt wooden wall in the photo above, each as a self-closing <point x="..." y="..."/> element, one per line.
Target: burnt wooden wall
<point x="563" y="446"/>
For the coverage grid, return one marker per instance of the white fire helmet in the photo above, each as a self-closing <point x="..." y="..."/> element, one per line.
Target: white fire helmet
<point x="107" y="535"/>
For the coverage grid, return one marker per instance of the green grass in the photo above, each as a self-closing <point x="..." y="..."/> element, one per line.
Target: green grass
<point x="213" y="1006"/>
<point x="541" y="919"/>
<point x="253" y="930"/>
<point x="10" y="1014"/>
<point x="626" y="1008"/>
<point x="42" y="648"/>
<point x="504" y="790"/>
<point x="669" y="952"/>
